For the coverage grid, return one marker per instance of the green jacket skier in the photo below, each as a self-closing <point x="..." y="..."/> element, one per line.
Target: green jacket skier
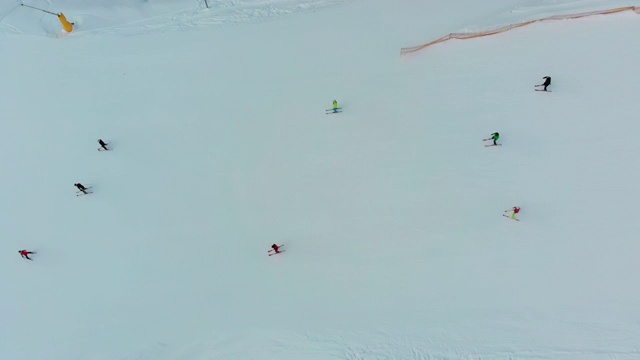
<point x="495" y="136"/>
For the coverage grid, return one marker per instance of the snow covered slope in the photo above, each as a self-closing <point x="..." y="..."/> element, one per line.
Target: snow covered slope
<point x="390" y="211"/>
<point x="129" y="17"/>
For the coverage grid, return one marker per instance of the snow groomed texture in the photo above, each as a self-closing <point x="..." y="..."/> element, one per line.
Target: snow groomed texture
<point x="390" y="209"/>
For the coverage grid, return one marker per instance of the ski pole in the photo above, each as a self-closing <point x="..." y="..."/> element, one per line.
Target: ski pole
<point x="48" y="12"/>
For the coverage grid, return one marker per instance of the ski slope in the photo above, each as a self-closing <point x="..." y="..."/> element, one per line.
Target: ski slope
<point x="390" y="212"/>
<point x="135" y="17"/>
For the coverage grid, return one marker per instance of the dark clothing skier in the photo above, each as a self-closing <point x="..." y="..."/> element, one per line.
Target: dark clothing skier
<point x="546" y="83"/>
<point x="25" y="254"/>
<point x="81" y="187"/>
<point x="103" y="144"/>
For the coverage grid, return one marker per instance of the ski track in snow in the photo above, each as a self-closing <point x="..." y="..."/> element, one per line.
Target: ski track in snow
<point x="378" y="345"/>
<point x="221" y="12"/>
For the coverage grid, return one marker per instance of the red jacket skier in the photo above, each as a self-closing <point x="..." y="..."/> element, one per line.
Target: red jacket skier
<point x="25" y="254"/>
<point x="515" y="211"/>
<point x="276" y="247"/>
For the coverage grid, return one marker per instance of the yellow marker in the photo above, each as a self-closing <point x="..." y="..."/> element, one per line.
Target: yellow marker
<point x="66" y="25"/>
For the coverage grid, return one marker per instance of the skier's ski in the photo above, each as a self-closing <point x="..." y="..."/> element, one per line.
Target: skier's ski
<point x="339" y="108"/>
<point x="281" y="251"/>
<point x="87" y="188"/>
<point x="493" y="145"/>
<point x="543" y="90"/>
<point x="334" y="112"/>
<point x="509" y="217"/>
<point x="87" y="193"/>
<point x="101" y="149"/>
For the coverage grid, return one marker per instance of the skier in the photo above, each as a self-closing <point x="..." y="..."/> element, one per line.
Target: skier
<point x="335" y="108"/>
<point x="495" y="136"/>
<point x="514" y="211"/>
<point x="275" y="248"/>
<point x="103" y="144"/>
<point x="25" y="254"/>
<point x="81" y="187"/>
<point x="547" y="82"/>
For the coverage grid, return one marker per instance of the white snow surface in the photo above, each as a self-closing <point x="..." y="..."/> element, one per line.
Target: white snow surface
<point x="390" y="212"/>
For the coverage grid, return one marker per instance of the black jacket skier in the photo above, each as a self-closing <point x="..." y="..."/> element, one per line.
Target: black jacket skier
<point x="81" y="187"/>
<point x="103" y="144"/>
<point x="547" y="82"/>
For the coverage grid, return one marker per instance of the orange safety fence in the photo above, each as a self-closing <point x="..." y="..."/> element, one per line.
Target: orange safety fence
<point x="463" y="36"/>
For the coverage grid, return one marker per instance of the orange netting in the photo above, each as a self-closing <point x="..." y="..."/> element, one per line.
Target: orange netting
<point x="408" y="50"/>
